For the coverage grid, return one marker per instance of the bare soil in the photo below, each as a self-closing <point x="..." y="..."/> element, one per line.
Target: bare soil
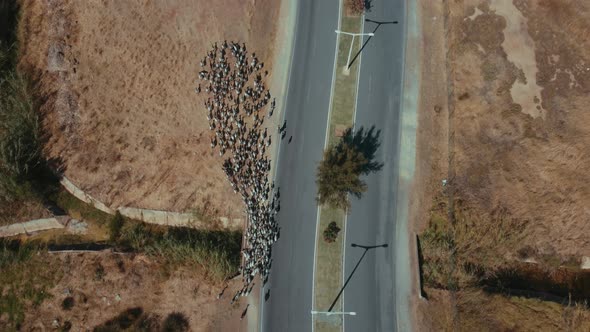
<point x="104" y="285"/>
<point x="118" y="80"/>
<point x="506" y="122"/>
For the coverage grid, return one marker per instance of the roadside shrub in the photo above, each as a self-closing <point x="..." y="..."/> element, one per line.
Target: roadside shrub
<point x="218" y="252"/>
<point x="331" y="232"/>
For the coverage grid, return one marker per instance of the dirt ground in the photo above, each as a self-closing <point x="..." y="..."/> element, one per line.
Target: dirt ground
<point x="104" y="285"/>
<point x="521" y="77"/>
<point x="118" y="79"/>
<point x="506" y="121"/>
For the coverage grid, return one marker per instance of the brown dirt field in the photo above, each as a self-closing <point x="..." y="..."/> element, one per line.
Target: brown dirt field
<point x="139" y="282"/>
<point x="118" y="79"/>
<point x="513" y="136"/>
<point x="530" y="160"/>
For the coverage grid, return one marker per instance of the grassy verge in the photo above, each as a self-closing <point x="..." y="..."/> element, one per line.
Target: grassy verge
<point x="25" y="176"/>
<point x="454" y="254"/>
<point x="328" y="277"/>
<point x="345" y="83"/>
<point x="329" y="256"/>
<point x="466" y="263"/>
<point x="478" y="311"/>
<point x="217" y="252"/>
<point x="25" y="278"/>
<point x="79" y="209"/>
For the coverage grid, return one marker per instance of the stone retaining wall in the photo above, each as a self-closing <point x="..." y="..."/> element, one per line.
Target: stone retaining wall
<point x="166" y="218"/>
<point x="32" y="226"/>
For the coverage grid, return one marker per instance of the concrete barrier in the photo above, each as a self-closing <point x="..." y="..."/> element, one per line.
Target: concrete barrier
<point x="42" y="225"/>
<point x="164" y="218"/>
<point x="31" y="226"/>
<point x="84" y="197"/>
<point x="158" y="217"/>
<point x="12" y="230"/>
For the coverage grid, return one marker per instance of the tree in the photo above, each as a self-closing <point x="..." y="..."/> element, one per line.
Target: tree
<point x="343" y="164"/>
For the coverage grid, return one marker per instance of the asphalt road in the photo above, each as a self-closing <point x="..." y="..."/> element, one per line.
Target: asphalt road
<point x="371" y="292"/>
<point x="306" y="113"/>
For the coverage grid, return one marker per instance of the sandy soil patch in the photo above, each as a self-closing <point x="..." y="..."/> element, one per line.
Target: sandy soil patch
<point x="119" y="78"/>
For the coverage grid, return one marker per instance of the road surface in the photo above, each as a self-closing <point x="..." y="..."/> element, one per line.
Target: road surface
<point x="371" y="292"/>
<point x="306" y="113"/>
<point x="372" y="221"/>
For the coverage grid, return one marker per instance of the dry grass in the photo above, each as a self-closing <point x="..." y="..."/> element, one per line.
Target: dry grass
<point x="478" y="311"/>
<point x="345" y="85"/>
<point x="450" y="251"/>
<point x="119" y="78"/>
<point x="531" y="168"/>
<point x="26" y="278"/>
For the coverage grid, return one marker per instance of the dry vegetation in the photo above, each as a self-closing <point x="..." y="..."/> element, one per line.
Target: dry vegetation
<point x="510" y="133"/>
<point x="478" y="311"/>
<point x="42" y="291"/>
<point x="110" y="86"/>
<point x="529" y="160"/>
<point x="119" y="81"/>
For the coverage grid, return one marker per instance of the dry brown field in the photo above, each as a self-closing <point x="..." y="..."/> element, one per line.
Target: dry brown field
<point x="105" y="285"/>
<point x="520" y="74"/>
<point x="118" y="79"/>
<point x="505" y="121"/>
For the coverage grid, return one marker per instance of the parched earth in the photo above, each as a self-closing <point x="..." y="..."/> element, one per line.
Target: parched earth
<point x="507" y="115"/>
<point x="118" y="79"/>
<point x="102" y="286"/>
<point x="520" y="74"/>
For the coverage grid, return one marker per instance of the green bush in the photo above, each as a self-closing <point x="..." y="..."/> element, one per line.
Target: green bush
<point x="331" y="232"/>
<point x="218" y="252"/>
<point x="339" y="172"/>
